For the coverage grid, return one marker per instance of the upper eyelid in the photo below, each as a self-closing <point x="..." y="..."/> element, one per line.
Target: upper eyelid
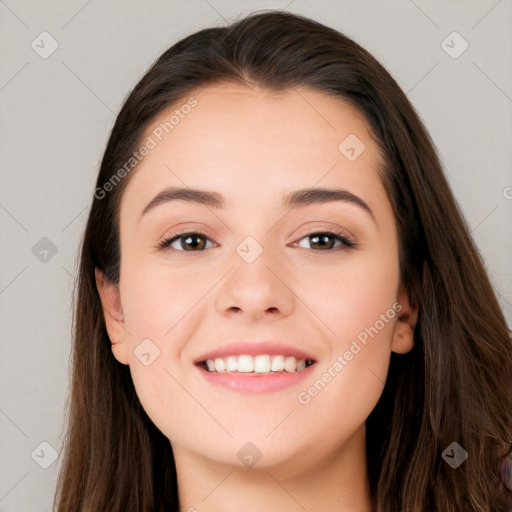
<point x="312" y="231"/>
<point x="322" y="224"/>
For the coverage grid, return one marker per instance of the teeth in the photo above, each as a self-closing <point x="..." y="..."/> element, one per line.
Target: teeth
<point x="231" y="364"/>
<point x="258" y="364"/>
<point x="262" y="364"/>
<point x="277" y="364"/>
<point x="290" y="364"/>
<point x="245" y="364"/>
<point x="219" y="364"/>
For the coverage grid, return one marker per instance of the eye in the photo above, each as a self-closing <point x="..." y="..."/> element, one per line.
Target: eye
<point x="195" y="240"/>
<point x="325" y="240"/>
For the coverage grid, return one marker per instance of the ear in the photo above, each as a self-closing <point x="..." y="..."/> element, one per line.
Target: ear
<point x="403" y="331"/>
<point x="114" y="318"/>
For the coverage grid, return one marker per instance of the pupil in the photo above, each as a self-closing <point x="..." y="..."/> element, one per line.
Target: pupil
<point x="189" y="240"/>
<point x="323" y="238"/>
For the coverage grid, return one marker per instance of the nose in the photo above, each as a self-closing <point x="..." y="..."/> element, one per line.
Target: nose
<point x="256" y="291"/>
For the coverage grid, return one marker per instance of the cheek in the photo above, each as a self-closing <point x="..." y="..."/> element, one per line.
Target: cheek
<point x="349" y="382"/>
<point x="358" y="305"/>
<point x="157" y="300"/>
<point x="339" y="400"/>
<point x="162" y="308"/>
<point x="354" y="295"/>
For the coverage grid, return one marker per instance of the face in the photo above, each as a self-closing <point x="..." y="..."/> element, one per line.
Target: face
<point x="310" y="282"/>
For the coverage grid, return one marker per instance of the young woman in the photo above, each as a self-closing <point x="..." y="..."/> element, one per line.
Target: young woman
<point x="279" y="304"/>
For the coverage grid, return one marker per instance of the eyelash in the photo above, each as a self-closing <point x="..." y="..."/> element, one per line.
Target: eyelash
<point x="167" y="242"/>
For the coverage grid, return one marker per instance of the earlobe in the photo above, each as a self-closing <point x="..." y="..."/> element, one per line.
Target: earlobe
<point x="403" y="338"/>
<point x="114" y="317"/>
<point x="403" y="332"/>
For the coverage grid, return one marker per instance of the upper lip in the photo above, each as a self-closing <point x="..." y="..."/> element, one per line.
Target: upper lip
<point x="254" y="348"/>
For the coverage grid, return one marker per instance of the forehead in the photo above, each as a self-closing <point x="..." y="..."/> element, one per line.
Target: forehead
<point x="237" y="137"/>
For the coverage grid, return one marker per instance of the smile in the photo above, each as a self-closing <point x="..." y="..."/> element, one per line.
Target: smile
<point x="254" y="375"/>
<point x="262" y="364"/>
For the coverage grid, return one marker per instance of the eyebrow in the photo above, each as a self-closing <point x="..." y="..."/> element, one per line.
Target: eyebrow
<point x="291" y="200"/>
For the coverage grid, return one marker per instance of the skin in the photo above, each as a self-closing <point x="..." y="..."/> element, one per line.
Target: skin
<point x="252" y="146"/>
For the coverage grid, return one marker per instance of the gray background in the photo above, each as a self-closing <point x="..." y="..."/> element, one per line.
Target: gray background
<point x="56" y="114"/>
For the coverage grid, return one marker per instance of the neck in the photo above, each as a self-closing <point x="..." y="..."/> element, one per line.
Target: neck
<point x="334" y="482"/>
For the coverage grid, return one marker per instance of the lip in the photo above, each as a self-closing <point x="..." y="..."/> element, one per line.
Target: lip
<point x="255" y="383"/>
<point x="254" y="348"/>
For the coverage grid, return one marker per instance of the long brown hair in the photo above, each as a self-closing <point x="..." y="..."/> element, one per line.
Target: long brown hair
<point x="454" y="386"/>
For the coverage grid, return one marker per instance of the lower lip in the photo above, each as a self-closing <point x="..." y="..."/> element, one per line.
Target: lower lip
<point x="254" y="384"/>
